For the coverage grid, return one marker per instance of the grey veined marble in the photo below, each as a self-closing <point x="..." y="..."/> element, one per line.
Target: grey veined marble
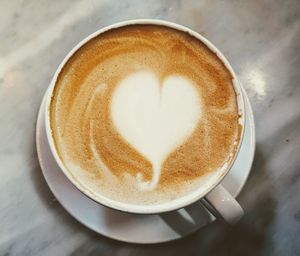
<point x="262" y="41"/>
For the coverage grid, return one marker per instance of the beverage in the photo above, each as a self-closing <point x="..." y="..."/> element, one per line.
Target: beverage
<point x="141" y="114"/>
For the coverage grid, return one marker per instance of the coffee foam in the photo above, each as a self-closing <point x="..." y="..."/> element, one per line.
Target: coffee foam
<point x="85" y="119"/>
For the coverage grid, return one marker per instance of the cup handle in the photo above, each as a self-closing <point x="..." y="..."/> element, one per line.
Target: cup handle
<point x="222" y="204"/>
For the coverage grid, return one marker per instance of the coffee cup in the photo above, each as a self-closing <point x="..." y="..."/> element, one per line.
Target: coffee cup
<point x="207" y="189"/>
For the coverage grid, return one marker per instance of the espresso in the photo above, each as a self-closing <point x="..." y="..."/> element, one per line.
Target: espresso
<point x="140" y="114"/>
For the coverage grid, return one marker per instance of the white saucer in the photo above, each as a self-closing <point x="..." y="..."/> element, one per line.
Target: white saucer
<point x="139" y="228"/>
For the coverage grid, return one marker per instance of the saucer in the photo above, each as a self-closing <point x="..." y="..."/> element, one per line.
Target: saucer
<point x="136" y="228"/>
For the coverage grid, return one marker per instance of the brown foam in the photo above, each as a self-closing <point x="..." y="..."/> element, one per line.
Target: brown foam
<point x="80" y="108"/>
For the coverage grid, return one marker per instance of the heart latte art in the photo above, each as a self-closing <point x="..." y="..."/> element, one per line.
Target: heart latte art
<point x="141" y="114"/>
<point x="154" y="118"/>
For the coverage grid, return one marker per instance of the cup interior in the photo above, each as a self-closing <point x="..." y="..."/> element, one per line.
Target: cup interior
<point x="207" y="184"/>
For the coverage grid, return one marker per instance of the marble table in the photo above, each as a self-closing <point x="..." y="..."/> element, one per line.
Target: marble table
<point x="261" y="39"/>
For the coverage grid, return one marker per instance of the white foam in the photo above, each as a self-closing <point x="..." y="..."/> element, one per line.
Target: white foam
<point x="154" y="118"/>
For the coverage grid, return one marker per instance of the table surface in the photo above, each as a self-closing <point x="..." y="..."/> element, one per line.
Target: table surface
<point x="261" y="39"/>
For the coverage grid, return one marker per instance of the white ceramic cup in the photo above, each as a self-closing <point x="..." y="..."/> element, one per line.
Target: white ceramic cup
<point x="211" y="193"/>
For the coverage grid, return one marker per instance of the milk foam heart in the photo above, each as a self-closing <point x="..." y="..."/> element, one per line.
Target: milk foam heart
<point x="155" y="118"/>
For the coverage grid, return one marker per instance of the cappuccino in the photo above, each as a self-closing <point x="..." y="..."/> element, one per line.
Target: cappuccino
<point x="140" y="114"/>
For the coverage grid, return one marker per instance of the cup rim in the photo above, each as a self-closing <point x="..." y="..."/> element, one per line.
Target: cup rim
<point x="135" y="208"/>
